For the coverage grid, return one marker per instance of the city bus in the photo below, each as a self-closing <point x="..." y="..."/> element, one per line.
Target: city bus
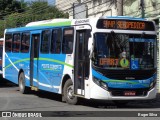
<point x="1" y="51"/>
<point x="105" y="58"/>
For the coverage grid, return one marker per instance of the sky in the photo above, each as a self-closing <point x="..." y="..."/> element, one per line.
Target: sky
<point x="51" y="2"/>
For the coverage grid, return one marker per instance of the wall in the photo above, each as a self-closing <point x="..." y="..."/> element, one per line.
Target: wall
<point x="96" y="8"/>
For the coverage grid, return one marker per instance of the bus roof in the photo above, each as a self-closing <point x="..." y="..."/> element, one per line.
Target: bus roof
<point x="28" y="28"/>
<point x="51" y="22"/>
<point x="37" y="25"/>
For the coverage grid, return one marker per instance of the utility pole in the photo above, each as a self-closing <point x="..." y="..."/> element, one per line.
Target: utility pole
<point x="120" y="7"/>
<point x="142" y="8"/>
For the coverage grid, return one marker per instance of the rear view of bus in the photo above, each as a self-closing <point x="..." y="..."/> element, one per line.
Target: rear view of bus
<point x="124" y="59"/>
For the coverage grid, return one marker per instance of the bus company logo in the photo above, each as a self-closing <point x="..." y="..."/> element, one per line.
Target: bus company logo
<point x="82" y="21"/>
<point x="51" y="67"/>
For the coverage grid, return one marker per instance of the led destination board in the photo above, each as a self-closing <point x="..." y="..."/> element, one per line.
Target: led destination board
<point x="125" y="24"/>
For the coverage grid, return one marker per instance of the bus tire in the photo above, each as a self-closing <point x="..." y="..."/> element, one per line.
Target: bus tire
<point x="21" y="82"/>
<point x="68" y="93"/>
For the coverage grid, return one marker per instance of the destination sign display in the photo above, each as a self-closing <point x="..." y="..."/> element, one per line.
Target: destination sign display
<point x="125" y="24"/>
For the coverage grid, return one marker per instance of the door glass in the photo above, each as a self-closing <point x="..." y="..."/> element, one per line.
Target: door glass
<point x="36" y="46"/>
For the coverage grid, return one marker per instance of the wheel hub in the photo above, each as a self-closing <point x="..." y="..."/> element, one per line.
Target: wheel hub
<point x="70" y="92"/>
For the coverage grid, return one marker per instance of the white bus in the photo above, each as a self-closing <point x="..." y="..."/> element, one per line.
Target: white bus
<point x="107" y="58"/>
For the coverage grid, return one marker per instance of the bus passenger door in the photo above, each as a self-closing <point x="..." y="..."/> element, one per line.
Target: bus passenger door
<point x="34" y="55"/>
<point x="81" y="61"/>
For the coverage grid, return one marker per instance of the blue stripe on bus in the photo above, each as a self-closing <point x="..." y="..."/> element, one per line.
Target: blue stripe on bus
<point x="113" y="83"/>
<point x="22" y="29"/>
<point x="141" y="40"/>
<point x="125" y="17"/>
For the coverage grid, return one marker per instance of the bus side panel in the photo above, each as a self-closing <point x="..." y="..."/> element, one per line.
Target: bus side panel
<point x="13" y="66"/>
<point x="50" y="72"/>
<point x="24" y="64"/>
<point x="11" y="69"/>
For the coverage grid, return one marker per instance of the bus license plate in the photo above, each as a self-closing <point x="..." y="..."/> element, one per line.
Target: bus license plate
<point x="129" y="93"/>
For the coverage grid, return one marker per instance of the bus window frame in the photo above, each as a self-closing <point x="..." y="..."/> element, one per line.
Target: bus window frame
<point x="18" y="50"/>
<point x="67" y="28"/>
<point x="61" y="39"/>
<point x="8" y="51"/>
<point x="22" y="51"/>
<point x="41" y="41"/>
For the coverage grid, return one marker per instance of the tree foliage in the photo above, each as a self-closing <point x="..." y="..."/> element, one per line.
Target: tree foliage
<point x="10" y="6"/>
<point x="18" y="14"/>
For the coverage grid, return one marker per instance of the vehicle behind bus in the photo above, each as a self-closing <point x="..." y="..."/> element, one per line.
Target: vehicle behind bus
<point x="1" y="51"/>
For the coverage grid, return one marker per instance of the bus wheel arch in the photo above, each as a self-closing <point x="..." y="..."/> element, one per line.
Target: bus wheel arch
<point x="67" y="89"/>
<point x="21" y="82"/>
<point x="68" y="93"/>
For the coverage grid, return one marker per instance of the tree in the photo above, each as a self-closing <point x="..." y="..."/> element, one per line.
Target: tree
<point x="35" y="11"/>
<point x="10" y="6"/>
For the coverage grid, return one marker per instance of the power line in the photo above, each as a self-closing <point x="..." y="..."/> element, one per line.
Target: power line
<point x="39" y="9"/>
<point x="35" y="9"/>
<point x="94" y="6"/>
<point x="65" y="10"/>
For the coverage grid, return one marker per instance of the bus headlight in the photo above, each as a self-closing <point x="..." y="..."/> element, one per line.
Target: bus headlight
<point x="100" y="83"/>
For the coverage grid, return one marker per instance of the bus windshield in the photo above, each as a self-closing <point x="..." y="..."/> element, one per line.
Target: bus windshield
<point x="124" y="51"/>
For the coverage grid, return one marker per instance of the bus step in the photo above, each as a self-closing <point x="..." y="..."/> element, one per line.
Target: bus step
<point x="34" y="88"/>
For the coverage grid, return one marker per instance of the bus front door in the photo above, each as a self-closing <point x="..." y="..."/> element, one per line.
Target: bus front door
<point x="34" y="55"/>
<point x="81" y="61"/>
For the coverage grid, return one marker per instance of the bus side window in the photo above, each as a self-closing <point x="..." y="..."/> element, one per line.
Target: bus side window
<point x="67" y="47"/>
<point x="56" y="41"/>
<point x="46" y="36"/>
<point x="16" y="42"/>
<point x="8" y="42"/>
<point x="25" y="43"/>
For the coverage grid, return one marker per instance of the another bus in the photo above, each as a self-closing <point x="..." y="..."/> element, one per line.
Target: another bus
<point x="107" y="58"/>
<point x="1" y="51"/>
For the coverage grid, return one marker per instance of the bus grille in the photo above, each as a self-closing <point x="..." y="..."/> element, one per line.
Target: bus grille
<point x="125" y="74"/>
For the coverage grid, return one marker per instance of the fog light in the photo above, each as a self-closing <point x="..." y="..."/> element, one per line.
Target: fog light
<point x="100" y="83"/>
<point x="104" y="85"/>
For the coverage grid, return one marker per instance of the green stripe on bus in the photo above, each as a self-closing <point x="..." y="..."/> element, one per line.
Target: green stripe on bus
<point x="56" y="24"/>
<point x="18" y="61"/>
<point x="46" y="59"/>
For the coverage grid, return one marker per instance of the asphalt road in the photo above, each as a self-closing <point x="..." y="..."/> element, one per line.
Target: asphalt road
<point x="12" y="100"/>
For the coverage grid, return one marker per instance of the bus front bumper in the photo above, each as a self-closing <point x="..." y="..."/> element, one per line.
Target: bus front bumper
<point x="100" y="93"/>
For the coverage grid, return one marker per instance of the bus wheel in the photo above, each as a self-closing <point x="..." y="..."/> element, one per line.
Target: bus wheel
<point x="22" y="87"/>
<point x="68" y="93"/>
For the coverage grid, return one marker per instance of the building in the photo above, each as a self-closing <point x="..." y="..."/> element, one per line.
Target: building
<point x="94" y="8"/>
<point x="151" y="11"/>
